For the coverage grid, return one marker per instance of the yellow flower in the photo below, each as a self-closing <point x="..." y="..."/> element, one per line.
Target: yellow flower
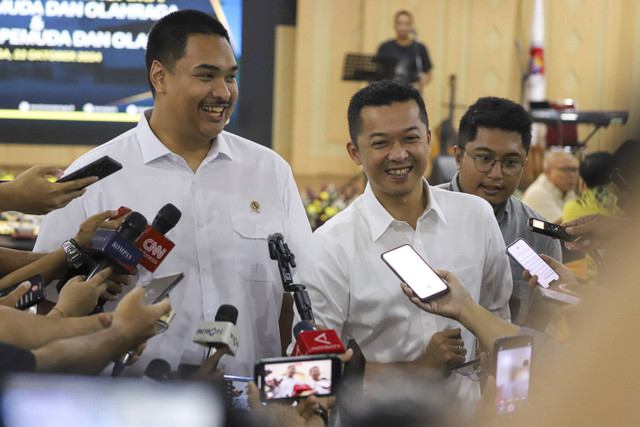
<point x="331" y="211"/>
<point x="317" y="204"/>
<point x="324" y="195"/>
<point x="323" y="217"/>
<point x="313" y="209"/>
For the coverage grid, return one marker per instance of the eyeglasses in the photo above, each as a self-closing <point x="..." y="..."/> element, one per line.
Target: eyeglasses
<point x="484" y="164"/>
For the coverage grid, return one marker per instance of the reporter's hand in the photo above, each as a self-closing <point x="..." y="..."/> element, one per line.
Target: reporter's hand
<point x="79" y="297"/>
<point x="450" y="304"/>
<point x="90" y="225"/>
<point x="32" y="193"/>
<point x="281" y="413"/>
<point x="12" y="298"/>
<point x="445" y="351"/>
<point x="566" y="275"/>
<point x="594" y="231"/>
<point x="136" y="321"/>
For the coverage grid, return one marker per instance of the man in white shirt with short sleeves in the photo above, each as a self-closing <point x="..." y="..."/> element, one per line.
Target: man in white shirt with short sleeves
<point x="353" y="291"/>
<point x="233" y="193"/>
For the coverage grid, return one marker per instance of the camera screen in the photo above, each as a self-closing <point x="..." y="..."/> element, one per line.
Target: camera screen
<point x="297" y="378"/>
<point x="512" y="378"/>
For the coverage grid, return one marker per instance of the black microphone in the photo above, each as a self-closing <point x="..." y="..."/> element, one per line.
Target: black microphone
<point x="152" y="242"/>
<point x="116" y="248"/>
<point x="166" y="218"/>
<point x="158" y="370"/>
<point x="221" y="335"/>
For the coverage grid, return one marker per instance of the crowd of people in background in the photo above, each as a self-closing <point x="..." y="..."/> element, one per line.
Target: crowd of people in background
<point x="234" y="194"/>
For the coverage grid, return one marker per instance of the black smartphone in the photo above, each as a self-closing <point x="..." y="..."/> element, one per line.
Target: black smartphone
<point x="524" y="255"/>
<point x="160" y="287"/>
<point x="415" y="272"/>
<point x="513" y="370"/>
<point x="296" y="377"/>
<point x="101" y="168"/>
<point x="550" y="229"/>
<point x="471" y="369"/>
<point x="33" y="296"/>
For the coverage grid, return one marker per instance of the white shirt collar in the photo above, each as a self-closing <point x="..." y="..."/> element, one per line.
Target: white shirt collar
<point x="380" y="219"/>
<point x="153" y="148"/>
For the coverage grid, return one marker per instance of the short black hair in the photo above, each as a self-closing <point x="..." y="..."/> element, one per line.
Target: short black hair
<point x="626" y="159"/>
<point x="167" y="39"/>
<point x="595" y="168"/>
<point x="495" y="113"/>
<point x="383" y="92"/>
<point x="403" y="12"/>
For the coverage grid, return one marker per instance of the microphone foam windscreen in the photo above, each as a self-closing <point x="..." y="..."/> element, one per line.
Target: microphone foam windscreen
<point x="227" y="313"/>
<point x="167" y="218"/>
<point x="302" y="326"/>
<point x="132" y="226"/>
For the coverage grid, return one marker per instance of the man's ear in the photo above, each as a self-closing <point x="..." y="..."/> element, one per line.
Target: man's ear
<point x="457" y="154"/>
<point x="353" y="153"/>
<point x="157" y="76"/>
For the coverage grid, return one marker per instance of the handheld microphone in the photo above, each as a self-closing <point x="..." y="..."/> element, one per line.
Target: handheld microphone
<point x="154" y="246"/>
<point x="309" y="341"/>
<point x="115" y="248"/>
<point x="220" y="336"/>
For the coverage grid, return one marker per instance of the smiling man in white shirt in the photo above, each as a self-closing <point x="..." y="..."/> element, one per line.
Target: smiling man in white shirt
<point x="233" y="193"/>
<point x="353" y="291"/>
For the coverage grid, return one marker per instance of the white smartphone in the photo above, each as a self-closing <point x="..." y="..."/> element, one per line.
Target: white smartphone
<point x="524" y="255"/>
<point x="513" y="370"/>
<point x="559" y="297"/>
<point x="415" y="272"/>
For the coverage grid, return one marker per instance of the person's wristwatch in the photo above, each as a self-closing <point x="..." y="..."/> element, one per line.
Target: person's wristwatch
<point x="73" y="253"/>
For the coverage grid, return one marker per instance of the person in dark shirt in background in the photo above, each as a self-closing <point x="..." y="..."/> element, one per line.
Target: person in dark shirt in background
<point x="411" y="58"/>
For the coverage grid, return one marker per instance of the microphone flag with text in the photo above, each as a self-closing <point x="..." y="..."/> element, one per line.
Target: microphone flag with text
<point x="116" y="248"/>
<point x="220" y="336"/>
<point x="154" y="245"/>
<point x="310" y="341"/>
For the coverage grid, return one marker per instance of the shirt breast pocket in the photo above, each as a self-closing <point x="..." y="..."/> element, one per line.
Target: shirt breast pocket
<point x="251" y="233"/>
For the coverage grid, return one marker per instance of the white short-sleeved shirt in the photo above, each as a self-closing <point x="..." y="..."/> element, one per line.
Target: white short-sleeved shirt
<point x="241" y="193"/>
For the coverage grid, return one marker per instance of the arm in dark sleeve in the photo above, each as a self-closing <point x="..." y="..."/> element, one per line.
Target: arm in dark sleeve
<point x="426" y="60"/>
<point x="16" y="359"/>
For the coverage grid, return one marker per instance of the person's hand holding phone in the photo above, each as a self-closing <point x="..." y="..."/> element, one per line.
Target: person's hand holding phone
<point x="31" y="192"/>
<point x="566" y="275"/>
<point x="451" y="304"/>
<point x="281" y="413"/>
<point x="11" y="299"/>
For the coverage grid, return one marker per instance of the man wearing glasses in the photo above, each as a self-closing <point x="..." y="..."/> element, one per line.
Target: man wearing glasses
<point x="554" y="187"/>
<point x="493" y="142"/>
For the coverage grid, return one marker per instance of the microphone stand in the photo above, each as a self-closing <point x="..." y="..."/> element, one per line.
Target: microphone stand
<point x="279" y="250"/>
